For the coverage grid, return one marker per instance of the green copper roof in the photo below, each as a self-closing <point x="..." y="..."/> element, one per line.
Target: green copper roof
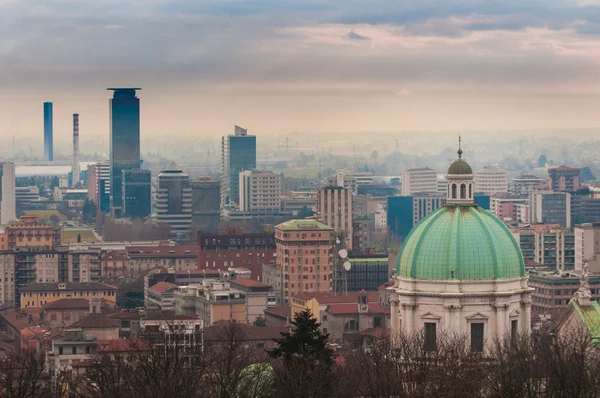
<point x="303" y="225"/>
<point x="460" y="167"/>
<point x="461" y="243"/>
<point x="590" y="316"/>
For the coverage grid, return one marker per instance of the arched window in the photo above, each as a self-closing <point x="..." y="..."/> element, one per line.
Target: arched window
<point x="463" y="191"/>
<point x="453" y="191"/>
<point x="351" y="325"/>
<point x="470" y="191"/>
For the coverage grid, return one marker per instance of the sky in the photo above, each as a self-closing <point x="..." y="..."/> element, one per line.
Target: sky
<point x="282" y="66"/>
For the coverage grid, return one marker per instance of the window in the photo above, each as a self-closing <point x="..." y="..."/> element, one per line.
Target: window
<point x="74" y="350"/>
<point x="453" y="191"/>
<point x="60" y="350"/>
<point x="463" y="191"/>
<point x="477" y="337"/>
<point x="324" y="318"/>
<point x="430" y="336"/>
<point x="351" y="325"/>
<point x="514" y="328"/>
<point x="377" y="321"/>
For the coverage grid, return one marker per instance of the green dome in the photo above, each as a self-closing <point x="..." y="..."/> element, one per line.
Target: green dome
<point x="460" y="243"/>
<point x="460" y="167"/>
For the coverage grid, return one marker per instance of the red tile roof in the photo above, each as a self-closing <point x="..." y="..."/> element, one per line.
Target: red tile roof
<point x="163" y="287"/>
<point x="248" y="283"/>
<point x="67" y="303"/>
<point x="122" y="345"/>
<point x="115" y="255"/>
<point x="19" y="319"/>
<point x="95" y="321"/>
<point x="125" y="315"/>
<point x="284" y="311"/>
<point x="328" y="298"/>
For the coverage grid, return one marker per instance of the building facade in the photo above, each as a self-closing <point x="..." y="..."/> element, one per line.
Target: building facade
<point x="48" y="132"/>
<point x="137" y="193"/>
<point x="238" y="153"/>
<point x="259" y="191"/>
<point x="550" y="208"/>
<point x="418" y="180"/>
<point x="506" y="206"/>
<point x="8" y="200"/>
<point x="553" y="291"/>
<point x="206" y="204"/>
<point x="547" y="244"/>
<point x="304" y="254"/>
<point x="367" y="272"/>
<point x="174" y="199"/>
<point x="35" y="295"/>
<point x="491" y="180"/>
<point x="564" y="178"/>
<point x="525" y="184"/>
<point x="334" y="208"/>
<point x="587" y="246"/>
<point x="124" y="109"/>
<point x="404" y="212"/>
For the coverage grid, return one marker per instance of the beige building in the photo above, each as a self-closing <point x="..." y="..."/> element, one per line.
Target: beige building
<point x="304" y="253"/>
<point x="421" y="179"/>
<point x="334" y="208"/>
<point x="491" y="180"/>
<point x="587" y="246"/>
<point x="259" y="296"/>
<point x="30" y="232"/>
<point x="259" y="191"/>
<point x="211" y="301"/>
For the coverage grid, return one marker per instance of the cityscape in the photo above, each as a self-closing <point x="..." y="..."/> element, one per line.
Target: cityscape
<point x="315" y="230"/>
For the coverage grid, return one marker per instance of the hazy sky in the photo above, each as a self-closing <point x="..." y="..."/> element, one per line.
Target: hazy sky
<point x="277" y="66"/>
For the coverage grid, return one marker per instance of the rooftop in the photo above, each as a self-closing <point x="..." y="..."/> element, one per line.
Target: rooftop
<point x="248" y="283"/>
<point x="163" y="287"/>
<point x="168" y="316"/>
<point x="303" y="225"/>
<point x="163" y="251"/>
<point x="69" y="287"/>
<point x="250" y="332"/>
<point x="282" y="311"/>
<point x="328" y="298"/>
<point x="95" y="321"/>
<point x="20" y="319"/>
<point x="68" y="303"/>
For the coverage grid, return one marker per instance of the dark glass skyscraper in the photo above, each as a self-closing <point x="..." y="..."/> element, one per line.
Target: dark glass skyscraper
<point x="124" y="141"/>
<point x="48" y="131"/>
<point x="238" y="154"/>
<point x="137" y="193"/>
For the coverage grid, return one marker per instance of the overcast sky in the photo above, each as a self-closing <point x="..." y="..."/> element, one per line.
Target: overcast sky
<point x="277" y="66"/>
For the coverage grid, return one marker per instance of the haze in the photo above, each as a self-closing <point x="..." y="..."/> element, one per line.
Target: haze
<point x="278" y="66"/>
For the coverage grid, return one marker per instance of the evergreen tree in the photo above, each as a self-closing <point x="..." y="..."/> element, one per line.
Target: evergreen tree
<point x="304" y="341"/>
<point x="78" y="238"/>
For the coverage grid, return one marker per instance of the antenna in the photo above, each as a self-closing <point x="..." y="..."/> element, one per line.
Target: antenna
<point x="339" y="277"/>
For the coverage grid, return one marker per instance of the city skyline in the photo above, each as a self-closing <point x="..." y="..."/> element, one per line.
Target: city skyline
<point x="300" y="66"/>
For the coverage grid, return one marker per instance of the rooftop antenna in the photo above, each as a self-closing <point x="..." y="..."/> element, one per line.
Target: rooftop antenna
<point x="459" y="149"/>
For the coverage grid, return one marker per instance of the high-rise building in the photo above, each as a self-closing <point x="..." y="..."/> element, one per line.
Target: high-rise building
<point x="547" y="244"/>
<point x="564" y="178"/>
<point x="98" y="183"/>
<point x="491" y="180"/>
<point x="48" y="132"/>
<point x="422" y="179"/>
<point x="587" y="246"/>
<point x="137" y="193"/>
<point x="8" y="201"/>
<point x="304" y="256"/>
<point x="206" y="200"/>
<point x="334" y="208"/>
<point x="174" y="199"/>
<point x="124" y="109"/>
<point x="76" y="170"/>
<point x="550" y="208"/>
<point x="259" y="191"/>
<point x="238" y="153"/>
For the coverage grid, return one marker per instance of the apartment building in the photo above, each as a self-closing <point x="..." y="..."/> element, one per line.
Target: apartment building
<point x="35" y="295"/>
<point x="334" y="208"/>
<point x="417" y="180"/>
<point x="491" y="180"/>
<point x="260" y="191"/>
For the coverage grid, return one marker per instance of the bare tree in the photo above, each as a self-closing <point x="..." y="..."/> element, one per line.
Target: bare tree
<point x="23" y="376"/>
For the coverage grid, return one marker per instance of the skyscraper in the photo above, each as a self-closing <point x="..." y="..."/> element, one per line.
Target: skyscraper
<point x="174" y="199"/>
<point x="48" y="131"/>
<point x="124" y="110"/>
<point x="238" y="153"/>
<point x="7" y="193"/>
<point x="137" y="193"/>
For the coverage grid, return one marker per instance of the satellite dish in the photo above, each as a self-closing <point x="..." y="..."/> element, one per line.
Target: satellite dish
<point x="337" y="241"/>
<point x="347" y="265"/>
<point x="343" y="253"/>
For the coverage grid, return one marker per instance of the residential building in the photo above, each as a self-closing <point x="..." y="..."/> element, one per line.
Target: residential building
<point x="419" y="180"/>
<point x="296" y="205"/>
<point x="272" y="275"/>
<point x="278" y="316"/>
<point x="547" y="244"/>
<point x="362" y="238"/>
<point x="260" y="191"/>
<point x="491" y="180"/>
<point x="317" y="302"/>
<point x="206" y="207"/>
<point x="174" y="199"/>
<point x="334" y="208"/>
<point x="74" y="347"/>
<point x="221" y="252"/>
<point x="161" y="296"/>
<point x="553" y="290"/>
<point x="525" y="184"/>
<point x="259" y="296"/>
<point x="35" y="295"/>
<point x="178" y="278"/>
<point x="550" y="208"/>
<point x="587" y="246"/>
<point x="28" y="232"/>
<point x="85" y="265"/>
<point x="144" y="258"/>
<point x="380" y="217"/>
<point x="564" y="178"/>
<point x="124" y="110"/>
<point x="238" y="153"/>
<point x="212" y="301"/>
<point x="96" y="324"/>
<point x="351" y="180"/>
<point x="366" y="206"/>
<point x="137" y="193"/>
<point x="48" y="132"/>
<point x="8" y="201"/>
<point x="167" y="322"/>
<point x="62" y="313"/>
<point x="7" y="281"/>
<point x="367" y="272"/>
<point x="115" y="264"/>
<point x="304" y="253"/>
<point x="506" y="206"/>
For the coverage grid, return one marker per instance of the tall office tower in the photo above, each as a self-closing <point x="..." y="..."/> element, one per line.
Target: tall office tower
<point x="491" y="180"/>
<point x="550" y="208"/>
<point x="260" y="191"/>
<point x="8" y="202"/>
<point x="174" y="199"/>
<point x="334" y="208"/>
<point x="564" y="178"/>
<point x="48" y="132"/>
<point x="238" y="153"/>
<point x="124" y="110"/>
<point x="98" y="183"/>
<point x="422" y="179"/>
<point x="75" y="169"/>
<point x="137" y="193"/>
<point x="206" y="197"/>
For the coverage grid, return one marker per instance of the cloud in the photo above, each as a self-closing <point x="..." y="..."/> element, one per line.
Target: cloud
<point x="352" y="35"/>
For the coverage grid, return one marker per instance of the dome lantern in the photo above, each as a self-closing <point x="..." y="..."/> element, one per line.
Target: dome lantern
<point x="461" y="187"/>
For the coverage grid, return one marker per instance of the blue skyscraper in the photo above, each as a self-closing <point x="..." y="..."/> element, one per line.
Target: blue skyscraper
<point x="238" y="153"/>
<point x="48" y="131"/>
<point x="124" y="110"/>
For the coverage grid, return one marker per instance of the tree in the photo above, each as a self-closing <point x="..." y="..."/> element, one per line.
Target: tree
<point x="542" y="161"/>
<point x="78" y="238"/>
<point x="23" y="376"/>
<point x="260" y="321"/>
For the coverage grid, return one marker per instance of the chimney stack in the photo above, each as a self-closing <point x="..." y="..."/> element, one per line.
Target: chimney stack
<point x="76" y="171"/>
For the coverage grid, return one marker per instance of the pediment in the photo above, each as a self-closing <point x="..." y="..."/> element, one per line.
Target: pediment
<point x="477" y="316"/>
<point x="430" y="315"/>
<point x="515" y="313"/>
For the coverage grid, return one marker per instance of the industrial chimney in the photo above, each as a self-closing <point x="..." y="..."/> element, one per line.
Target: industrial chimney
<point x="76" y="171"/>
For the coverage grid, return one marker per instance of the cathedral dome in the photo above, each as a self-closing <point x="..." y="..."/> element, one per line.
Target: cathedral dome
<point x="459" y="167"/>
<point x="460" y="242"/>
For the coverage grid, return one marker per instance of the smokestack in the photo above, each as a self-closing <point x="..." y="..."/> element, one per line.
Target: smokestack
<point x="76" y="171"/>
